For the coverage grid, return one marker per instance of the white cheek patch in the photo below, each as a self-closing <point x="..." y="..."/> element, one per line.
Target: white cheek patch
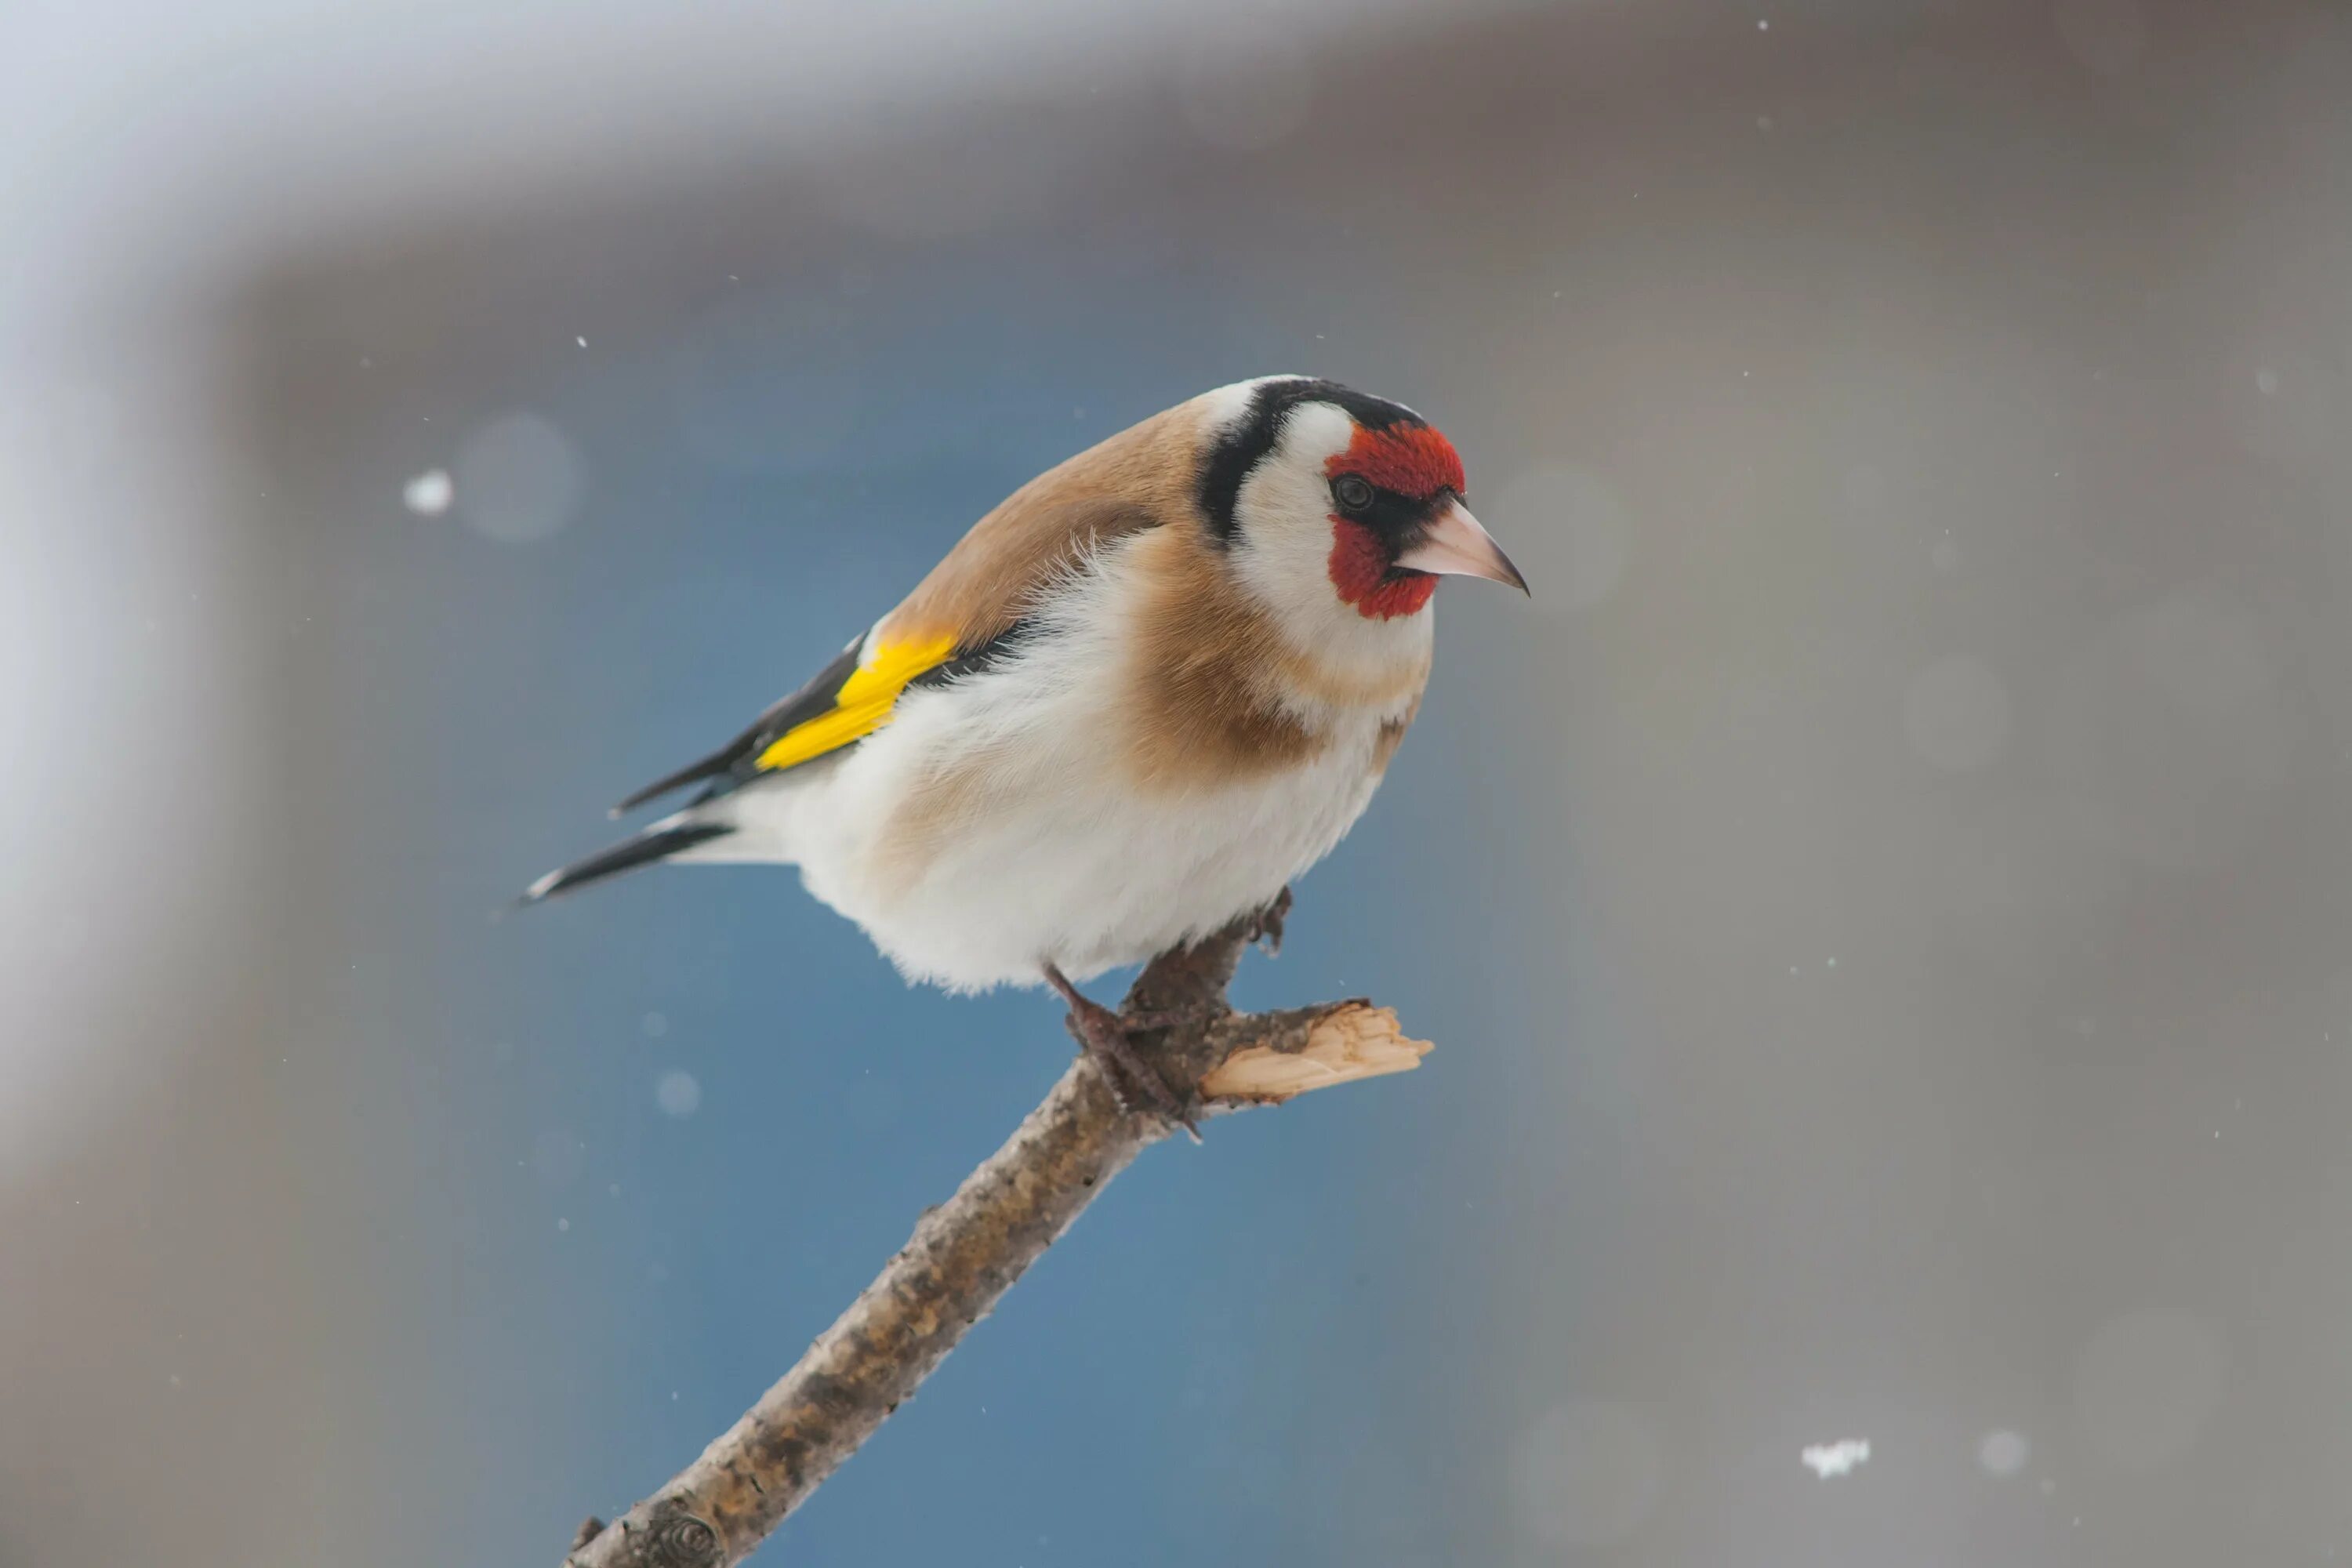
<point x="1282" y="547"/>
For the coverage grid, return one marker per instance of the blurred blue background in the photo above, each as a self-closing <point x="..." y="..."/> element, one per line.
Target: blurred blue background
<point x="702" y="1105"/>
<point x="1881" y="909"/>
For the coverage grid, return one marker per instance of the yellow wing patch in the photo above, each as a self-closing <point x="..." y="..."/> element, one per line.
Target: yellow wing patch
<point x="862" y="706"/>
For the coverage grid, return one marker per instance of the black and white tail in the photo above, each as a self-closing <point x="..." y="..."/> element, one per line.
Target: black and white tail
<point x="659" y="842"/>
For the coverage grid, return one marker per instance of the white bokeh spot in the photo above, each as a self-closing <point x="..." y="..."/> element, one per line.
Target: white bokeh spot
<point x="429" y="493"/>
<point x="678" y="1094"/>
<point x="2003" y="1453"/>
<point x="518" y="480"/>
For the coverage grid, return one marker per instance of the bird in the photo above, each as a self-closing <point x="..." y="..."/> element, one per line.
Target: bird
<point x="1140" y="696"/>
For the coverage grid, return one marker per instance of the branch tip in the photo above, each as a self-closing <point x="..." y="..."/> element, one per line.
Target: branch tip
<point x="1351" y="1040"/>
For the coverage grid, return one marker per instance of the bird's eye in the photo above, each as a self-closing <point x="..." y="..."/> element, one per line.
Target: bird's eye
<point x="1352" y="493"/>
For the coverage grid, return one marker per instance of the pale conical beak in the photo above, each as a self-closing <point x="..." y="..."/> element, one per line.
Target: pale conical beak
<point x="1457" y="545"/>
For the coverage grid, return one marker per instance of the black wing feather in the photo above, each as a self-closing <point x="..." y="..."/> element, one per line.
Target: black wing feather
<point x="808" y="702"/>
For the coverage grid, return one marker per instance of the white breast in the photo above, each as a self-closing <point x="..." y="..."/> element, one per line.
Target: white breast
<point x="987" y="829"/>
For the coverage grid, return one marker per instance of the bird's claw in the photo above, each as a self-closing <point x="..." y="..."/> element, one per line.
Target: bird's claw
<point x="1265" y="926"/>
<point x="1108" y="1039"/>
<point x="1134" y="1084"/>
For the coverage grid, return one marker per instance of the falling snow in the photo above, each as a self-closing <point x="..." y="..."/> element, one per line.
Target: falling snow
<point x="1829" y="1460"/>
<point x="678" y="1094"/>
<point x="429" y="493"/>
<point x="2003" y="1453"/>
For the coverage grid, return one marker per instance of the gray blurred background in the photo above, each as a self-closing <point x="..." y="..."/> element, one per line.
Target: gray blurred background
<point x="1883" y="909"/>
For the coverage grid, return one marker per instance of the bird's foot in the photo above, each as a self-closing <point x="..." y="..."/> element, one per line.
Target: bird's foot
<point x="1108" y="1039"/>
<point x="1265" y="926"/>
<point x="1143" y="1020"/>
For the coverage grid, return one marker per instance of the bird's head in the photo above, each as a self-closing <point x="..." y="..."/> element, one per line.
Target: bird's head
<point x="1337" y="508"/>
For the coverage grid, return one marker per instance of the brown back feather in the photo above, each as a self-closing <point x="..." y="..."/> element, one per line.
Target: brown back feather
<point x="1140" y="478"/>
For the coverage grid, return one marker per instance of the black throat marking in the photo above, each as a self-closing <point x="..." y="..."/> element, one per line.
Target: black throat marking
<point x="1240" y="448"/>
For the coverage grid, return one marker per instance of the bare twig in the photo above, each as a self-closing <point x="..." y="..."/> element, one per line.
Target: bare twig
<point x="967" y="1252"/>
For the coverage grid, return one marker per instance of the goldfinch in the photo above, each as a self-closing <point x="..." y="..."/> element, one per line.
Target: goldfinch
<point x="1152" y="687"/>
